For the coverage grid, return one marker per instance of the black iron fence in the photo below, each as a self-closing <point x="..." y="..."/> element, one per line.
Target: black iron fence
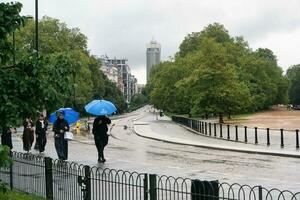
<point x="255" y="135"/>
<point x="58" y="180"/>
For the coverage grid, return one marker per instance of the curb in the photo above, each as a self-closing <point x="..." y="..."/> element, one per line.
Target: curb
<point x="220" y="148"/>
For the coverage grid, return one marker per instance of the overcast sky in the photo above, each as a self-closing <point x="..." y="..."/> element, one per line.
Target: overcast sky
<point x="122" y="28"/>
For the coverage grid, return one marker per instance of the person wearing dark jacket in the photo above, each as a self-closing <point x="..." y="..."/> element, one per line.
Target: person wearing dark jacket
<point x="28" y="134"/>
<point x="40" y="131"/>
<point x="61" y="126"/>
<point x="6" y="137"/>
<point x="100" y="135"/>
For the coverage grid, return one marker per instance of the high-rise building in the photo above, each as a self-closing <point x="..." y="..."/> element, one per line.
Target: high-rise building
<point x="118" y="71"/>
<point x="153" y="56"/>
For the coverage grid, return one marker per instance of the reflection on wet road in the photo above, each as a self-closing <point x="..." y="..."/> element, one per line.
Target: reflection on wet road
<point x="130" y="152"/>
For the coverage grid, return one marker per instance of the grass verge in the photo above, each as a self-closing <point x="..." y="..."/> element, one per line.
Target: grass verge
<point x="16" y="195"/>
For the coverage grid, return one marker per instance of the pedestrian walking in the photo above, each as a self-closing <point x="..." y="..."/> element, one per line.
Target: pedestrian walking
<point x="28" y="134"/>
<point x="41" y="126"/>
<point x="61" y="126"/>
<point x="6" y="137"/>
<point x="100" y="135"/>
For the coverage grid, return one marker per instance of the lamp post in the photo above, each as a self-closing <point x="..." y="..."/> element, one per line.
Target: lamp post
<point x="36" y="30"/>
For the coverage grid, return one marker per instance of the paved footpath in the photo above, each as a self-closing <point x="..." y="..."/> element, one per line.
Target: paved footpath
<point x="163" y="129"/>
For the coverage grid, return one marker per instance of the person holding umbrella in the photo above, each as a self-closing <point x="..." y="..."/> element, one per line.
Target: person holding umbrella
<point x="60" y="126"/>
<point x="101" y="108"/>
<point x="100" y="135"/>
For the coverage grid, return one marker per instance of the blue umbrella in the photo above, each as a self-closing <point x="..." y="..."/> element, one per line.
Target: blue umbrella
<point x="100" y="107"/>
<point x="69" y="114"/>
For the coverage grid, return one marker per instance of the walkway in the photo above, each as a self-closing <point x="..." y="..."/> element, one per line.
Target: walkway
<point x="163" y="129"/>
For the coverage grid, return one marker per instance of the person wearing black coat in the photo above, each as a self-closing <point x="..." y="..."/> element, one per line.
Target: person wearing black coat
<point x="61" y="126"/>
<point x="40" y="131"/>
<point x="6" y="137"/>
<point x="100" y="135"/>
<point x="28" y="134"/>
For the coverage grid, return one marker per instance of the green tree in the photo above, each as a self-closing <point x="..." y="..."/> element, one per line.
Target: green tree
<point x="66" y="48"/>
<point x="214" y="73"/>
<point x="293" y="74"/>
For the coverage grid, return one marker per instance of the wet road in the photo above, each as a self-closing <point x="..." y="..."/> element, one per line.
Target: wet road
<point x="130" y="152"/>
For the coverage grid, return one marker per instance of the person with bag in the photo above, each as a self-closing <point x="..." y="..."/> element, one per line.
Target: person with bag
<point x="60" y="127"/>
<point x="40" y="131"/>
<point x="100" y="135"/>
<point x="28" y="134"/>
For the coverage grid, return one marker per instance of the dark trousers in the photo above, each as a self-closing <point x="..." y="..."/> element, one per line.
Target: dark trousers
<point x="41" y="142"/>
<point x="61" y="146"/>
<point x="100" y="144"/>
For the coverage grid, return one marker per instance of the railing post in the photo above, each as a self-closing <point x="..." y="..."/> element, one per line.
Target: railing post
<point x="268" y="136"/>
<point x="11" y="183"/>
<point x="246" y="138"/>
<point x="215" y="129"/>
<point x="146" y="186"/>
<point x="209" y="128"/>
<point x="49" y="178"/>
<point x="228" y="132"/>
<point x="200" y="127"/>
<point x="281" y="138"/>
<point x="221" y="131"/>
<point x="205" y="128"/>
<point x="260" y="193"/>
<point x="152" y="189"/>
<point x="88" y="191"/>
<point x="256" y="139"/>
<point x="297" y="139"/>
<point x="236" y="133"/>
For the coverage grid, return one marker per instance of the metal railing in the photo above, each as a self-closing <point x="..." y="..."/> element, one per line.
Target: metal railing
<point x="266" y="136"/>
<point x="53" y="179"/>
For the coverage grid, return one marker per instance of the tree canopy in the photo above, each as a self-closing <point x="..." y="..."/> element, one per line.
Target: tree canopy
<point x="64" y="74"/>
<point x="215" y="74"/>
<point x="293" y="74"/>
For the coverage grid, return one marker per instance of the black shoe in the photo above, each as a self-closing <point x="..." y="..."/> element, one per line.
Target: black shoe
<point x="102" y="160"/>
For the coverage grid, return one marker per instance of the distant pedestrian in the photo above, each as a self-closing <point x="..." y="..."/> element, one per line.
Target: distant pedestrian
<point x="40" y="131"/>
<point x="28" y="134"/>
<point x="6" y="137"/>
<point x="61" y="126"/>
<point x="100" y="135"/>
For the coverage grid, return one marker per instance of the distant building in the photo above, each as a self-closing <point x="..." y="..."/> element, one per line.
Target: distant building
<point x="153" y="56"/>
<point x="118" y="71"/>
<point x="140" y="87"/>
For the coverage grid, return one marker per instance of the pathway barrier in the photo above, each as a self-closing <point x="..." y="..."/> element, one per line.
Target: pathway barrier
<point x="266" y="136"/>
<point x="54" y="179"/>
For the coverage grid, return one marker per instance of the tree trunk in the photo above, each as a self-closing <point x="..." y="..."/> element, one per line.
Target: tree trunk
<point x="206" y="116"/>
<point x="229" y="116"/>
<point x="221" y="118"/>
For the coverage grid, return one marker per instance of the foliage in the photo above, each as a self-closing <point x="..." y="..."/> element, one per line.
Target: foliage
<point x="5" y="160"/>
<point x="65" y="74"/>
<point x="293" y="74"/>
<point x="216" y="74"/>
<point x="137" y="101"/>
<point x="16" y="195"/>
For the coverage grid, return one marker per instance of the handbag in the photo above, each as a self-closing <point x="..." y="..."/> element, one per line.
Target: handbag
<point x="68" y="136"/>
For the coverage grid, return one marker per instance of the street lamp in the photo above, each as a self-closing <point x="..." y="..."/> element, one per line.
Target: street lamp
<point x="36" y="30"/>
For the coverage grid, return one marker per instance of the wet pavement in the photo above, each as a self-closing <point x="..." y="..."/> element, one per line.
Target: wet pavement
<point x="130" y="152"/>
